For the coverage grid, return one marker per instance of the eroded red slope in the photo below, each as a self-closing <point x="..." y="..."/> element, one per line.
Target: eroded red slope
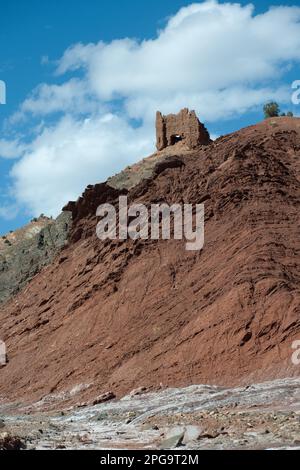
<point x="121" y="314"/>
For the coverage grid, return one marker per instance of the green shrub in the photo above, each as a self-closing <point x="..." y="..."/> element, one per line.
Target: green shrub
<point x="271" y="109"/>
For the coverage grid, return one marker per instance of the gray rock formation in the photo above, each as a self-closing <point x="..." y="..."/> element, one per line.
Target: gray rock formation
<point x="23" y="256"/>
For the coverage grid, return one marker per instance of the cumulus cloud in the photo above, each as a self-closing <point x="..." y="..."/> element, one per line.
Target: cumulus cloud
<point x="72" y="96"/>
<point x="220" y="59"/>
<point x="11" y="148"/>
<point x="67" y="157"/>
<point x="205" y="50"/>
<point x="9" y="211"/>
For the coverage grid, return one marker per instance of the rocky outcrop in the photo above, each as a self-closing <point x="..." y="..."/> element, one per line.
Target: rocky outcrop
<point x="184" y="126"/>
<point x="122" y="314"/>
<point x="23" y="253"/>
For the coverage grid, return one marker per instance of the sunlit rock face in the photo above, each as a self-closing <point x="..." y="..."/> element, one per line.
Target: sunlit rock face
<point x="184" y="126"/>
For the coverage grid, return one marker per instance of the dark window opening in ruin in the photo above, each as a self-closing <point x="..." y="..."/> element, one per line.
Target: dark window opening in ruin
<point x="175" y="138"/>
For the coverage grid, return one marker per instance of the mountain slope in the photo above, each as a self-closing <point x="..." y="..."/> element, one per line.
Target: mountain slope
<point x="117" y="315"/>
<point x="24" y="252"/>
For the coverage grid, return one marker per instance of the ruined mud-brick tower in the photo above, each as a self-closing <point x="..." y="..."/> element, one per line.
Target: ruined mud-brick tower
<point x="184" y="126"/>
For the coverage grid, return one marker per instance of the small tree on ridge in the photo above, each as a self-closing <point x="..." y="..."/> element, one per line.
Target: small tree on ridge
<point x="271" y="109"/>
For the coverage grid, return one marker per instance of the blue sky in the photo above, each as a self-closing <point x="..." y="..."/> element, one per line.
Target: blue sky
<point x="75" y="117"/>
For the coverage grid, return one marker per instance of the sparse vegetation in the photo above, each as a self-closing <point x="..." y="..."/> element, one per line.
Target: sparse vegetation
<point x="271" y="109"/>
<point x="288" y="114"/>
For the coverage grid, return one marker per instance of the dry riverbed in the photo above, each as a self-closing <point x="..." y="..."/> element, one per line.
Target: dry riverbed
<point x="261" y="416"/>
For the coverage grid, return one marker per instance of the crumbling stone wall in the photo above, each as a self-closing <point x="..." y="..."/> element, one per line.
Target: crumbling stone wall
<point x="184" y="126"/>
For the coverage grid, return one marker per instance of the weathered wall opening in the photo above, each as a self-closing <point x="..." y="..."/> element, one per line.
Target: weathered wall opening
<point x="184" y="126"/>
<point x="175" y="139"/>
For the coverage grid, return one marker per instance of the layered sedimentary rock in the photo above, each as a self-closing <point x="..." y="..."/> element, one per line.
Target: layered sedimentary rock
<point x="122" y="314"/>
<point x="184" y="126"/>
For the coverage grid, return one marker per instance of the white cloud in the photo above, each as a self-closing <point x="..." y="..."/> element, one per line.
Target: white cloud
<point x="72" y="96"/>
<point x="9" y="212"/>
<point x="205" y="50"/>
<point x="220" y="59"/>
<point x="212" y="105"/>
<point x="11" y="148"/>
<point x="64" y="159"/>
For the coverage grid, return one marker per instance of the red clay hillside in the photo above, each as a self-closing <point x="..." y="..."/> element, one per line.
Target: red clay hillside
<point x="118" y="315"/>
